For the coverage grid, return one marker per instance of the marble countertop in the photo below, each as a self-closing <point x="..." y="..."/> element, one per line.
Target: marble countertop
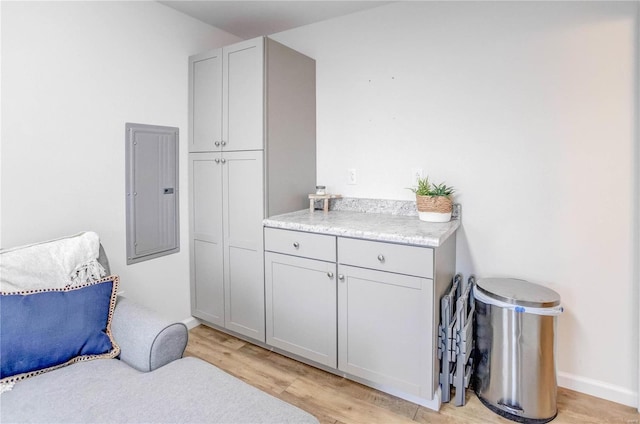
<point x="370" y="226"/>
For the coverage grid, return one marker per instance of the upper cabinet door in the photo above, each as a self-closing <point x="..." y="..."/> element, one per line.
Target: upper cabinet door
<point x="243" y="96"/>
<point x="205" y="101"/>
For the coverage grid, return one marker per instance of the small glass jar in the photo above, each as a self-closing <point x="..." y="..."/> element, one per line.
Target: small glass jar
<point x="321" y="190"/>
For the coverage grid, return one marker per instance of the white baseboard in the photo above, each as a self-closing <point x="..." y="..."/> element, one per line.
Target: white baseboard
<point x="598" y="389"/>
<point x="191" y="322"/>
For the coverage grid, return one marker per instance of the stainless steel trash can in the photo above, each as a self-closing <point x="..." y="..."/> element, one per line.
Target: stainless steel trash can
<point x="515" y="370"/>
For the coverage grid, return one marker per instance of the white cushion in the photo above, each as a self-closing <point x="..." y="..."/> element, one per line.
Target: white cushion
<point x="55" y="263"/>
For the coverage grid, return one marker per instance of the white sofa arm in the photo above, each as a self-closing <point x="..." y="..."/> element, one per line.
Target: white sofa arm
<point x="146" y="340"/>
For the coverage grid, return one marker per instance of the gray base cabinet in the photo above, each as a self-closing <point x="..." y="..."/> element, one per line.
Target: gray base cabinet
<point x="301" y="307"/>
<point x="384" y="300"/>
<point x="301" y="298"/>
<point x="227" y="205"/>
<point x="252" y="154"/>
<point x="384" y="327"/>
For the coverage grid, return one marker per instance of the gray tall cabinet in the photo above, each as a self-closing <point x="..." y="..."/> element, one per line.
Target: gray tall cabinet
<point x="252" y="154"/>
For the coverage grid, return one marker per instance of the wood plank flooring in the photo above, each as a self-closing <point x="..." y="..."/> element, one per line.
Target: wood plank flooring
<point x="336" y="400"/>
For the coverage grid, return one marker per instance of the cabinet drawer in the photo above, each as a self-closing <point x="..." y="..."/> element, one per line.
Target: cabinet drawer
<point x="297" y="243"/>
<point x="409" y="260"/>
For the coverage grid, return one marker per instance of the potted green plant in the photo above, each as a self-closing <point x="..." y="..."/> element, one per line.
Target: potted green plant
<point x="433" y="201"/>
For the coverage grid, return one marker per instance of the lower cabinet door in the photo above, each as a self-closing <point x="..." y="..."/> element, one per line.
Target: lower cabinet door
<point x="242" y="214"/>
<point x="301" y="307"/>
<point x="206" y="256"/>
<point x="385" y="329"/>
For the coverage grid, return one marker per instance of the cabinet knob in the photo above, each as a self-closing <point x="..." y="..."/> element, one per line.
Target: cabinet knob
<point x="223" y="160"/>
<point x="216" y="160"/>
<point x="217" y="143"/>
<point x="224" y="143"/>
<point x="330" y="274"/>
<point x="381" y="258"/>
<point x="340" y="277"/>
<point x="296" y="244"/>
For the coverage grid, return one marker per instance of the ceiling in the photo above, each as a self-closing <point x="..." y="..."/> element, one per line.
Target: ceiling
<point x="248" y="19"/>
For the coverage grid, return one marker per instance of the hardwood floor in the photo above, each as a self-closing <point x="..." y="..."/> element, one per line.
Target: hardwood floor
<point x="336" y="400"/>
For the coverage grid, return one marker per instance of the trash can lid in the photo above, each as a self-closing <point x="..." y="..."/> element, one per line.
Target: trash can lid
<point x="518" y="292"/>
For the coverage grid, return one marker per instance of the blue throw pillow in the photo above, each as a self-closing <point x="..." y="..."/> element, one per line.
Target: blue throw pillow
<point x="42" y="330"/>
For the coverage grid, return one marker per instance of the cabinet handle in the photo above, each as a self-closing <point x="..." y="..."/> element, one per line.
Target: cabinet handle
<point x="330" y="274"/>
<point x="217" y="143"/>
<point x="381" y="258"/>
<point x="340" y="277"/>
<point x="296" y="244"/>
<point x="224" y="143"/>
<point x="223" y="160"/>
<point x="216" y="160"/>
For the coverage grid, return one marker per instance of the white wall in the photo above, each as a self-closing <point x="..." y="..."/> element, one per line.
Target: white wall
<point x="72" y="74"/>
<point x="528" y="109"/>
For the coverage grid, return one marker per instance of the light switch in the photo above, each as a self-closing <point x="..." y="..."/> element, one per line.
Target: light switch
<point x="352" y="176"/>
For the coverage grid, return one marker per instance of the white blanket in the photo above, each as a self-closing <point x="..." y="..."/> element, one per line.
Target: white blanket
<point x="56" y="263"/>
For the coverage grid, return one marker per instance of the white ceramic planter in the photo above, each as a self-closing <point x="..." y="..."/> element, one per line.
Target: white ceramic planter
<point x="434" y="208"/>
<point x="434" y="216"/>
